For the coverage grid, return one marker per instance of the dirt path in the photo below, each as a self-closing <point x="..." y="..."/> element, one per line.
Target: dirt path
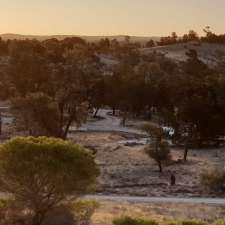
<point x="109" y="123"/>
<point x="208" y="201"/>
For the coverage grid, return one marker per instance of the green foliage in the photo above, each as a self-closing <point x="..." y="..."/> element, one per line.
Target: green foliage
<point x="5" y="203"/>
<point x="52" y="96"/>
<point x="49" y="170"/>
<point x="79" y="213"/>
<point x="126" y="220"/>
<point x="162" y="153"/>
<point x="158" y="150"/>
<point x="185" y="222"/>
<point x="32" y="113"/>
<point x="131" y="221"/>
<point x="192" y="222"/>
<point x="4" y="207"/>
<point x="214" y="179"/>
<point x="69" y="74"/>
<point x="219" y="222"/>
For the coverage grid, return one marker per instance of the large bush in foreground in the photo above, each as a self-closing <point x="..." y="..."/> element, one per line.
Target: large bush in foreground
<point x="42" y="172"/>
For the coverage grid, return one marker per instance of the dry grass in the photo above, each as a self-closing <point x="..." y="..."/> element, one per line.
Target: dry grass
<point x="157" y="211"/>
<point x="127" y="170"/>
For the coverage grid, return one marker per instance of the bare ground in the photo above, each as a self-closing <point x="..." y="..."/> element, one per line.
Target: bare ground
<point x="127" y="170"/>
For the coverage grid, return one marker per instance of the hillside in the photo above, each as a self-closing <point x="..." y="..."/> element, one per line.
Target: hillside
<point x="207" y="52"/>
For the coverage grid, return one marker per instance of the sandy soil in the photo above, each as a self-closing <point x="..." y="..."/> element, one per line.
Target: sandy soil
<point x="128" y="170"/>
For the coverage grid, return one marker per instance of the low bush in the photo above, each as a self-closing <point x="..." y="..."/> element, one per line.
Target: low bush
<point x="214" y="179"/>
<point x="185" y="222"/>
<point x="219" y="222"/>
<point x="132" y="221"/>
<point x="192" y="222"/>
<point x="83" y="211"/>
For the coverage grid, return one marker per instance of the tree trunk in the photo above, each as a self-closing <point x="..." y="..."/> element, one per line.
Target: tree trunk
<point x="123" y="123"/>
<point x="71" y="119"/>
<point x="176" y="134"/>
<point x="160" y="167"/>
<point x="187" y="143"/>
<point x="124" y="119"/>
<point x="96" y="112"/>
<point x="186" y="152"/>
<point x="114" y="111"/>
<point x="38" y="218"/>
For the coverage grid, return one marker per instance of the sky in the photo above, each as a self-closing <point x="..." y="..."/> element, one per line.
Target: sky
<point x="111" y="17"/>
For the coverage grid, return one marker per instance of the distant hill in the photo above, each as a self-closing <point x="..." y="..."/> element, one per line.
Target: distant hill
<point x="207" y="52"/>
<point x="87" y="38"/>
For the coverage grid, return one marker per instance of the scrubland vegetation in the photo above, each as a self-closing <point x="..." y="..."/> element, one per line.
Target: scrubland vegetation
<point x="52" y="87"/>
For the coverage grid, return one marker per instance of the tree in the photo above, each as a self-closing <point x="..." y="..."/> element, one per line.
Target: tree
<point x="4" y="90"/>
<point x="150" y="44"/>
<point x="191" y="36"/>
<point x="29" y="72"/>
<point x="169" y="40"/>
<point x="98" y="98"/>
<point x="38" y="114"/>
<point x="158" y="149"/>
<point x="198" y="101"/>
<point x="63" y="90"/>
<point x="174" y="36"/>
<point x="104" y="45"/>
<point x="49" y="171"/>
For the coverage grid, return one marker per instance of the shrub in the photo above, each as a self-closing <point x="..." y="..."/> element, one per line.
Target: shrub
<point x="83" y="211"/>
<point x="3" y="208"/>
<point x="160" y="152"/>
<point x="49" y="170"/>
<point x="61" y="215"/>
<point x="192" y="222"/>
<point x="173" y="223"/>
<point x="132" y="221"/>
<point x="214" y="179"/>
<point x="219" y="222"/>
<point x="78" y="213"/>
<point x="185" y="222"/>
<point x="158" y="149"/>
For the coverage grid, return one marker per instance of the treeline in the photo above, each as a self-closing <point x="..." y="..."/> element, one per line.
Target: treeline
<point x="192" y="35"/>
<point x="106" y="45"/>
<point x="52" y="85"/>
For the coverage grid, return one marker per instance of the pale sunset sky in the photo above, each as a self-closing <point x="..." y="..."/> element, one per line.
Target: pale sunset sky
<point x="111" y="17"/>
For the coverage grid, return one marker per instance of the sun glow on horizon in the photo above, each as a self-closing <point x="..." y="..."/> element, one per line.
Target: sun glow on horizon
<point x="114" y="17"/>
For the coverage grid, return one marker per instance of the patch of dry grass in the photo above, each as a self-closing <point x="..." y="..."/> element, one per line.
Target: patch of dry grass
<point x="157" y="211"/>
